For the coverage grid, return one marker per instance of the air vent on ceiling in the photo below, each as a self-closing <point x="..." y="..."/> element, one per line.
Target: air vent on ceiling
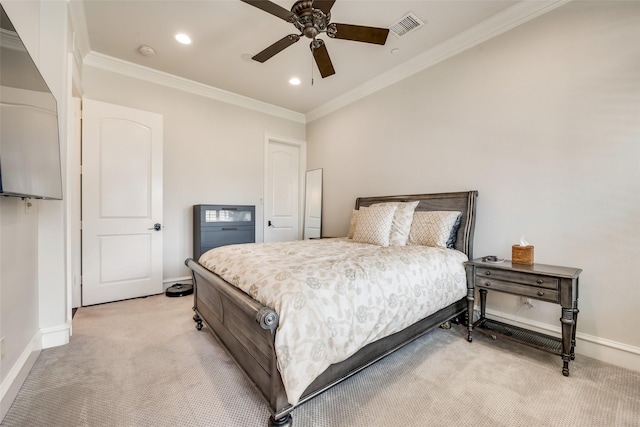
<point x="406" y="24"/>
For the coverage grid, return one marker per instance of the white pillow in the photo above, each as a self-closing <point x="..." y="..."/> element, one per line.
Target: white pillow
<point x="432" y="228"/>
<point x="374" y="225"/>
<point x="402" y="219"/>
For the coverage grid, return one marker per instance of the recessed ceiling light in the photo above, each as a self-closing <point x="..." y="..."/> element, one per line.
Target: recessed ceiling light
<point x="183" y="38"/>
<point x="294" y="81"/>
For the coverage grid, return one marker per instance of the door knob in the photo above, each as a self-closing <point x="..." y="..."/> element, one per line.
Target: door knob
<point x="156" y="226"/>
<point x="269" y="224"/>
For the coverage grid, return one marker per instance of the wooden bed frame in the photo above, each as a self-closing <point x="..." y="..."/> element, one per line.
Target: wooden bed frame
<point x="247" y="328"/>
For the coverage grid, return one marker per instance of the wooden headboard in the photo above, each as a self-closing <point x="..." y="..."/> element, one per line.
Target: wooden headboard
<point x="464" y="201"/>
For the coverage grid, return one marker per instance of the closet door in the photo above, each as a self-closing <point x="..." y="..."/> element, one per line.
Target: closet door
<point x="284" y="163"/>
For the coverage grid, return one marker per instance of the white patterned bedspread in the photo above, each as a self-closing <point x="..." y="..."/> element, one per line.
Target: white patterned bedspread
<point x="334" y="296"/>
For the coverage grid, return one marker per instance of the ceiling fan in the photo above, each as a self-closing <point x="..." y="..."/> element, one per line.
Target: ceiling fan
<point x="312" y="18"/>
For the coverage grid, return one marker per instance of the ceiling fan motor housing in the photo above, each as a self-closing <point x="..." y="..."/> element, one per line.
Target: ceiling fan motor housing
<point x="308" y="20"/>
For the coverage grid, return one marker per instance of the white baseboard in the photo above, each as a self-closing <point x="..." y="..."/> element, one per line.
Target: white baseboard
<point x="605" y="350"/>
<point x="18" y="374"/>
<point x="56" y="336"/>
<point x="170" y="282"/>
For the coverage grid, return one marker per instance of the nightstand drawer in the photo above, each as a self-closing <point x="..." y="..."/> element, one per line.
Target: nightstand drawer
<point x="518" y="289"/>
<point x="517" y="277"/>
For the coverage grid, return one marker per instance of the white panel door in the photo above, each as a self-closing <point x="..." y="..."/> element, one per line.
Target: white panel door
<point x="313" y="204"/>
<point x="282" y="187"/>
<point x="121" y="203"/>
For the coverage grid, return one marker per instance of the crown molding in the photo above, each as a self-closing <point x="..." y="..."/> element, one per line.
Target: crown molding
<point x="506" y="20"/>
<point x="109" y="63"/>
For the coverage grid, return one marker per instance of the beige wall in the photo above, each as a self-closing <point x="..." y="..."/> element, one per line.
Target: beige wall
<point x="545" y="122"/>
<point x="18" y="280"/>
<point x="213" y="153"/>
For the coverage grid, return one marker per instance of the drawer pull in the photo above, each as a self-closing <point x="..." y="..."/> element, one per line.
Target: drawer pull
<point x="487" y="284"/>
<point x="228" y="228"/>
<point x="540" y="281"/>
<point x="488" y="273"/>
<point x="540" y="293"/>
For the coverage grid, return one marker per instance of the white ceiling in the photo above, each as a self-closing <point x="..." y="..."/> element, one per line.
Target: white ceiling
<point x="226" y="33"/>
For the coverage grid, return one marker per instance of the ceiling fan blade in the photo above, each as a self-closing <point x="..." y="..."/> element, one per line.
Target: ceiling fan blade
<point x="271" y="8"/>
<point x="323" y="5"/>
<point x="321" y="55"/>
<point x="359" y="33"/>
<point x="277" y="47"/>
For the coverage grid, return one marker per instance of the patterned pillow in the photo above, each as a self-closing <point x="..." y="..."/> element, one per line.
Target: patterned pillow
<point x="374" y="225"/>
<point x="402" y="220"/>
<point x="352" y="224"/>
<point x="432" y="228"/>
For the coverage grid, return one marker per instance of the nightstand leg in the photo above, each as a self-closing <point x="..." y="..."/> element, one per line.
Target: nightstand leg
<point x="568" y="329"/>
<point x="483" y="305"/>
<point x="470" y="302"/>
<point x="573" y="333"/>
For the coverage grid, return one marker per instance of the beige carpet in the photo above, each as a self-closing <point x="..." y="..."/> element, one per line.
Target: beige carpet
<point x="142" y="363"/>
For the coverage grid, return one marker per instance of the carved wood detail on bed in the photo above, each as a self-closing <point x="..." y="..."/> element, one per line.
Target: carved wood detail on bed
<point x="247" y="328"/>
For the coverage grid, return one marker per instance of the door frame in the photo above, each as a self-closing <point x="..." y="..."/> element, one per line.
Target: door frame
<point x="74" y="202"/>
<point x="302" y="166"/>
<point x="74" y="189"/>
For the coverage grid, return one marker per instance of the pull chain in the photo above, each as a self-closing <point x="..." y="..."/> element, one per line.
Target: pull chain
<point x="312" y="68"/>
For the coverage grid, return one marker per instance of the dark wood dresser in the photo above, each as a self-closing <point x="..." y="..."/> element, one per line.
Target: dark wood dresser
<point x="219" y="225"/>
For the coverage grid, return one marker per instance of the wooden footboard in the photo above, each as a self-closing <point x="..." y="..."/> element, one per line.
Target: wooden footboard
<point x="245" y="327"/>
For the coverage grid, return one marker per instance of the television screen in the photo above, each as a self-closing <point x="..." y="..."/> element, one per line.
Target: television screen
<point x="29" y="140"/>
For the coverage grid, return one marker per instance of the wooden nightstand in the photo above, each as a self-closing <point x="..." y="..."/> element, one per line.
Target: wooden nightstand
<point x="543" y="282"/>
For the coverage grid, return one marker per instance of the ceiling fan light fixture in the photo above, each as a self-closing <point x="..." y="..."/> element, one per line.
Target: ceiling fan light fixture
<point x="294" y="81"/>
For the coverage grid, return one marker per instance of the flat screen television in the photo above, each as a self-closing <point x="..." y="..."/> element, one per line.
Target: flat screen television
<point x="29" y="139"/>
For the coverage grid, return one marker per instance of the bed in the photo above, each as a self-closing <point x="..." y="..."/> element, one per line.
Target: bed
<point x="249" y="329"/>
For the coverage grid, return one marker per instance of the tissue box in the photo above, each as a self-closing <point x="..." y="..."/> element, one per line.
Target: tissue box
<point x="522" y="254"/>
